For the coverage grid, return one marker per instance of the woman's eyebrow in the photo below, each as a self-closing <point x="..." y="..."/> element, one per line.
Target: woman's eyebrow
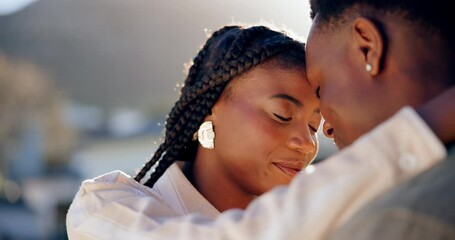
<point x="288" y="98"/>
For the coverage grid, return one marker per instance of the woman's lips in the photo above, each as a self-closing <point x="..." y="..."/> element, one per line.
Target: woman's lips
<point x="289" y="169"/>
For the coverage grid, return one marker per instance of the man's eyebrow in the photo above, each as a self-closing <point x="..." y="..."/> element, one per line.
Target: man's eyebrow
<point x="289" y="98"/>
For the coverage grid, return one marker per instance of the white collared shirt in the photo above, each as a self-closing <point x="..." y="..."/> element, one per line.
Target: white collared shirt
<point x="114" y="206"/>
<point x="178" y="192"/>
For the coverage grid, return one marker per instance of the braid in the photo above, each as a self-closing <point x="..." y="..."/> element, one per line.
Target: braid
<point x="175" y="111"/>
<point x="229" y="70"/>
<point x="198" y="60"/>
<point x="193" y="117"/>
<point x="163" y="165"/>
<point x="194" y="71"/>
<point x="243" y="39"/>
<point x="150" y="163"/>
<point x="228" y="53"/>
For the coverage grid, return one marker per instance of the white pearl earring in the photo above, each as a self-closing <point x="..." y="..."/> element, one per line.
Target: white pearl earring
<point x="368" y="67"/>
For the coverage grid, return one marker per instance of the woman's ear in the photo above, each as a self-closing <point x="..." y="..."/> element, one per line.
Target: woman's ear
<point x="369" y="42"/>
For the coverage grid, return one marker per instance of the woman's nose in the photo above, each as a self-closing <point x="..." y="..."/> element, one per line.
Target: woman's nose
<point x="304" y="142"/>
<point x="327" y="129"/>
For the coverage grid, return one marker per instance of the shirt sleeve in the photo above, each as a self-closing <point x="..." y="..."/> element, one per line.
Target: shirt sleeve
<point x="311" y="207"/>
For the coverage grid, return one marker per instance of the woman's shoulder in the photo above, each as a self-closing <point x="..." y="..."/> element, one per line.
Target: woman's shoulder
<point x="115" y="201"/>
<point x="114" y="180"/>
<point x="116" y="185"/>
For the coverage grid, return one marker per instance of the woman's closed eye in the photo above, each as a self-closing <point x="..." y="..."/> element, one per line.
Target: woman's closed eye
<point x="288" y="119"/>
<point x="281" y="118"/>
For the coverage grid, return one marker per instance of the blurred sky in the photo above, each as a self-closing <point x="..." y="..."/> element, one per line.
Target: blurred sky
<point x="12" y="6"/>
<point x="117" y="53"/>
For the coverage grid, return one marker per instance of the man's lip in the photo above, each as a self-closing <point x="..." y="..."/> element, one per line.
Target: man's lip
<point x="290" y="168"/>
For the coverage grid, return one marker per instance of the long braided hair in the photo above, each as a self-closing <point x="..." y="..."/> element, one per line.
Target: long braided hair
<point x="228" y="53"/>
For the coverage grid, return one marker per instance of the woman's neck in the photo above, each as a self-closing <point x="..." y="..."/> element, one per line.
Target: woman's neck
<point x="218" y="188"/>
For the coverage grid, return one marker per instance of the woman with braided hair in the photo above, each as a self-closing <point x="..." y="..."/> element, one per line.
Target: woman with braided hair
<point x="245" y="122"/>
<point x="248" y="103"/>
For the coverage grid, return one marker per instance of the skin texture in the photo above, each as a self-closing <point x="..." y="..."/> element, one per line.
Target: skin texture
<point x="354" y="100"/>
<point x="441" y="122"/>
<point x="256" y="150"/>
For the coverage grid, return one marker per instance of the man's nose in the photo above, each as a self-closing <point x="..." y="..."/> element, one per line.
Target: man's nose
<point x="327" y="129"/>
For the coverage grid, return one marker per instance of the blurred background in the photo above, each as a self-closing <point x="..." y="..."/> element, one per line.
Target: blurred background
<point x="85" y="86"/>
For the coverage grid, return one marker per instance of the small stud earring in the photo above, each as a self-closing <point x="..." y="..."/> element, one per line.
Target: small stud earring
<point x="205" y="135"/>
<point x="368" y="67"/>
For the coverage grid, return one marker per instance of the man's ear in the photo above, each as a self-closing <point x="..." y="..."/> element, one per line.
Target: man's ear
<point x="369" y="41"/>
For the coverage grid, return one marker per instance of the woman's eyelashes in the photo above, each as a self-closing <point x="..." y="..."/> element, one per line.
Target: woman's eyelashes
<point x="282" y="119"/>
<point x="313" y="128"/>
<point x="288" y="119"/>
<point x="318" y="90"/>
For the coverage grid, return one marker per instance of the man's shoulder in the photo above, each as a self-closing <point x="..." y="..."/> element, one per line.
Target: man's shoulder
<point x="419" y="208"/>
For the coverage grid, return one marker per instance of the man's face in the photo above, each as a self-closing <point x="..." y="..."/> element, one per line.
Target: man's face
<point x="351" y="103"/>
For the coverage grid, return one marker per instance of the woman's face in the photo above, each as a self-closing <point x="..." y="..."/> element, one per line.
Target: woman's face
<point x="265" y="125"/>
